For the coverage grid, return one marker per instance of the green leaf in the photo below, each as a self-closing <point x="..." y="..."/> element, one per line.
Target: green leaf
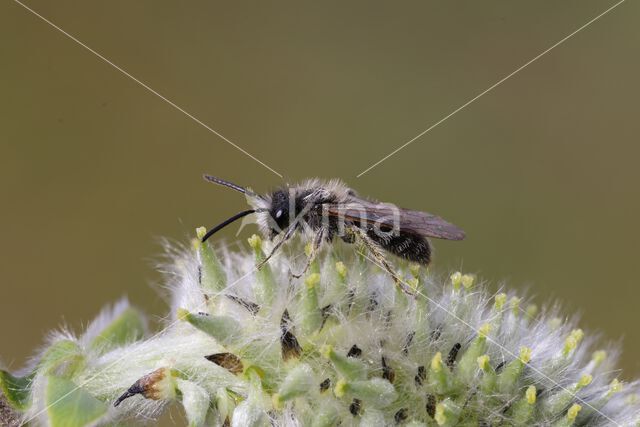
<point x="62" y="358"/>
<point x="71" y="406"/>
<point x="127" y="327"/>
<point x="17" y="390"/>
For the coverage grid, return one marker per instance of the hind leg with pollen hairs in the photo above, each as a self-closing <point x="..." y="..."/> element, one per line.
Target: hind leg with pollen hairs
<point x="376" y="251"/>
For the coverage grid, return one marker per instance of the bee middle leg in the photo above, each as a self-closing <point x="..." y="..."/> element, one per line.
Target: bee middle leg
<point x="376" y="251"/>
<point x="315" y="246"/>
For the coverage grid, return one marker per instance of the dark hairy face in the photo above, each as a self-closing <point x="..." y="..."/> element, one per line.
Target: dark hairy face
<point x="279" y="211"/>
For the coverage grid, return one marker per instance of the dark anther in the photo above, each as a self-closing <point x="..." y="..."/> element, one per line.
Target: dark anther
<point x="290" y="346"/>
<point x="387" y="372"/>
<point x="453" y="353"/>
<point x="387" y="318"/>
<point x="324" y="385"/>
<point x="326" y="310"/>
<point x="355" y="406"/>
<point x="132" y="391"/>
<point x="420" y="376"/>
<point x="251" y="307"/>
<point x="354" y="351"/>
<point x="401" y="415"/>
<point x="431" y="405"/>
<point x="500" y="366"/>
<point x="229" y="361"/>
<point x="407" y="343"/>
<point x="506" y="407"/>
<point x="350" y="299"/>
<point x="285" y="320"/>
<point x="144" y="386"/>
<point x="435" y="334"/>
<point x="373" y="303"/>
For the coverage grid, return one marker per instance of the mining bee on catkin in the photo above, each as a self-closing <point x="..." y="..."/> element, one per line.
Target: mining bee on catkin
<point x="324" y="210"/>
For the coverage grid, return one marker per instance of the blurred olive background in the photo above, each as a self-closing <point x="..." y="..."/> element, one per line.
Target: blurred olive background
<point x="541" y="172"/>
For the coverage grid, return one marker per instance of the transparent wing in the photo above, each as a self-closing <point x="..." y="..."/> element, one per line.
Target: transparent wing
<point x="388" y="215"/>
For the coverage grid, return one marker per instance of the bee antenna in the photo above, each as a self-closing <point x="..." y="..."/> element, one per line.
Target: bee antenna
<point x="231" y="185"/>
<point x="227" y="222"/>
<point x="224" y="183"/>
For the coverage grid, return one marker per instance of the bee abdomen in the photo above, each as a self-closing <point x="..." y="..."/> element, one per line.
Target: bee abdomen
<point x="405" y="245"/>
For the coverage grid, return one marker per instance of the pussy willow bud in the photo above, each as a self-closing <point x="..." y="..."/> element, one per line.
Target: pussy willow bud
<point x="338" y="346"/>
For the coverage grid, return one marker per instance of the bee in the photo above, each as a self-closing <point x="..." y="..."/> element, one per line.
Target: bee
<point x="325" y="210"/>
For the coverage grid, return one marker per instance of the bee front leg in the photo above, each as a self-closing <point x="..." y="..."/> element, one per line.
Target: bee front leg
<point x="279" y="243"/>
<point x="375" y="250"/>
<point x="315" y="246"/>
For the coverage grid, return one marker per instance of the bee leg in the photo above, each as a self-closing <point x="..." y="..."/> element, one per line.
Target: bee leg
<point x="377" y="253"/>
<point x="279" y="243"/>
<point x="315" y="246"/>
<point x="348" y="238"/>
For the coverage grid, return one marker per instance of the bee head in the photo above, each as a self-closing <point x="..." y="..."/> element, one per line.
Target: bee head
<point x="279" y="212"/>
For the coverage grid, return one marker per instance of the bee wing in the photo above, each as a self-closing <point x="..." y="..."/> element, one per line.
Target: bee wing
<point x="414" y="222"/>
<point x="429" y="225"/>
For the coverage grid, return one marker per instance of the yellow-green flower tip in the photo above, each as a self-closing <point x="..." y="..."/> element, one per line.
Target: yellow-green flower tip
<point x="326" y="351"/>
<point x="584" y="381"/>
<point x="436" y="362"/>
<point x="515" y="305"/>
<point x="195" y="244"/>
<point x="572" y="413"/>
<point x="414" y="268"/>
<point x="200" y="232"/>
<point x="341" y="269"/>
<point x="308" y="248"/>
<point x="467" y="280"/>
<point x="500" y="301"/>
<point x="182" y="314"/>
<point x="615" y="386"/>
<point x="532" y="310"/>
<point x="530" y="394"/>
<point x="341" y="388"/>
<point x="456" y="279"/>
<point x="277" y="401"/>
<point x="312" y="280"/>
<point x="569" y="345"/>
<point x="525" y="355"/>
<point x="578" y="334"/>
<point x="483" y="362"/>
<point x="555" y="323"/>
<point x="255" y="242"/>
<point x="440" y="416"/>
<point x="572" y="341"/>
<point x="484" y="330"/>
<point x="413" y="283"/>
<point x="599" y="357"/>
